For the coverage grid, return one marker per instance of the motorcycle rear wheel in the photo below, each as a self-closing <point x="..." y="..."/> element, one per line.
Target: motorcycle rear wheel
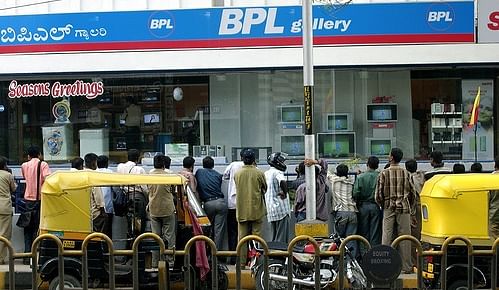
<point x="275" y="267"/>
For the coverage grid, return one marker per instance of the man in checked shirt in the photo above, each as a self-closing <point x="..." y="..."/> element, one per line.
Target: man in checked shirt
<point x="395" y="194"/>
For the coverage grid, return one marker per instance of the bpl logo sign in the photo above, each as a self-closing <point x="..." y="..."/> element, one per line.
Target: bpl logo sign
<point x="161" y="24"/>
<point x="440" y="16"/>
<point x="242" y="21"/>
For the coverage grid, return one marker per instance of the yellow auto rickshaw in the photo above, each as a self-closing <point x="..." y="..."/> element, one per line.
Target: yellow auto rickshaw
<point x="66" y="213"/>
<point x="457" y="205"/>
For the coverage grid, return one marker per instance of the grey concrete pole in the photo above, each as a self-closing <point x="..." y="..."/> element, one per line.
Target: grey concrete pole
<point x="308" y="94"/>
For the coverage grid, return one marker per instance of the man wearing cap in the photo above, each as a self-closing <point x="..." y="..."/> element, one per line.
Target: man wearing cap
<point x="250" y="203"/>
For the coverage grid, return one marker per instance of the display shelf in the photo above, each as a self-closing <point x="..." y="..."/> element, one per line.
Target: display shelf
<point x="446" y="131"/>
<point x="446" y="113"/>
<point x="447" y="142"/>
<point x="447" y="127"/>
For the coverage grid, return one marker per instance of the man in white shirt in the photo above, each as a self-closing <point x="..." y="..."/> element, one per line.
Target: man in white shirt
<point x="137" y="193"/>
<point x="232" y="229"/>
<point x="99" y="216"/>
<point x="102" y="166"/>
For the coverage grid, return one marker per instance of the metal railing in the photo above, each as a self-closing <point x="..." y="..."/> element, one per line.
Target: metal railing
<point x="163" y="282"/>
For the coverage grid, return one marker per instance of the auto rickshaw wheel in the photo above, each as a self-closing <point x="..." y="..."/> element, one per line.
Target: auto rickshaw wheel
<point x="459" y="285"/>
<point x="69" y="282"/>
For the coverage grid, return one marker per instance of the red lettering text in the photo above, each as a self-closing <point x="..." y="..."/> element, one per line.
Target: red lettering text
<point x="494" y="21"/>
<point x="28" y="90"/>
<point x="78" y="88"/>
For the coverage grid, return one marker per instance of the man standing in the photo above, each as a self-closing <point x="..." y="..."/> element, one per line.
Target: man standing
<point x="232" y="230"/>
<point x="162" y="210"/>
<point x="494" y="206"/>
<point x="107" y="194"/>
<point x="369" y="222"/>
<point x="417" y="180"/>
<point x="250" y="204"/>
<point x="276" y="198"/>
<point x="136" y="193"/>
<point x="188" y="172"/>
<point x="97" y="204"/>
<point x="210" y="191"/>
<point x="343" y="207"/>
<point x="34" y="172"/>
<point x="7" y="187"/>
<point x="395" y="194"/>
<point x="321" y="176"/>
<point x="436" y="161"/>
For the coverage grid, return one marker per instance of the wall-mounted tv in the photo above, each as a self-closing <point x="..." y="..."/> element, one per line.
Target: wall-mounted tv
<point x="380" y="146"/>
<point x="293" y="145"/>
<point x="382" y="112"/>
<point x="291" y="114"/>
<point x="338" y="122"/>
<point x="152" y="118"/>
<point x="336" y="145"/>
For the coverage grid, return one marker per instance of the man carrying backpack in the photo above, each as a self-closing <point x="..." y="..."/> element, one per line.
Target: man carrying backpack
<point x="137" y="194"/>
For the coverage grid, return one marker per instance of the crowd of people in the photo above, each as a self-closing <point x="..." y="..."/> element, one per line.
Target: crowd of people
<point x="376" y="204"/>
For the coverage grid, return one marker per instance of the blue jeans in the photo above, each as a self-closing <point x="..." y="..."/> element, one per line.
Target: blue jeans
<point x="369" y="223"/>
<point x="346" y="225"/>
<point x="300" y="216"/>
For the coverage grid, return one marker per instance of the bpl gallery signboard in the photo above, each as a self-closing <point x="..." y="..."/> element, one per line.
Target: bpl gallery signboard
<point x="488" y="21"/>
<point x="281" y="26"/>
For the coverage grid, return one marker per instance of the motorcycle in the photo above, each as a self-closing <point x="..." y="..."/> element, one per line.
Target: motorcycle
<point x="303" y="259"/>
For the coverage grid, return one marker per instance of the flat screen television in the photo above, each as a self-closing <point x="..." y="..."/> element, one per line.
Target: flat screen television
<point x="336" y="145"/>
<point x="291" y="114"/>
<point x="338" y="122"/>
<point x="152" y="118"/>
<point x="380" y="146"/>
<point x="293" y="145"/>
<point x="382" y="112"/>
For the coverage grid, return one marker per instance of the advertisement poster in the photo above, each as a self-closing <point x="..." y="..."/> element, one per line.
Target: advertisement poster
<point x="483" y="142"/>
<point x="488" y="21"/>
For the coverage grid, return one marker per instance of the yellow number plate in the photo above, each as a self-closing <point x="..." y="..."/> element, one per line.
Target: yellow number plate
<point x="68" y="244"/>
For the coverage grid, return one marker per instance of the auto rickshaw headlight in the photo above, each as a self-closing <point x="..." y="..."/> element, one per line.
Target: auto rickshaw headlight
<point x="424" y="211"/>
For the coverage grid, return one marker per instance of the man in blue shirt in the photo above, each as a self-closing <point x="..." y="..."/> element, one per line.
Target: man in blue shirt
<point x="209" y="188"/>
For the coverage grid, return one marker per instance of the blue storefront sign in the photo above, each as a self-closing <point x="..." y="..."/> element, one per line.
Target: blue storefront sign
<point x="440" y="22"/>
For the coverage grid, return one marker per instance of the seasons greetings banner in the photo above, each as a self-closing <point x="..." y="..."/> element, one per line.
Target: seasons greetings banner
<point x="90" y="90"/>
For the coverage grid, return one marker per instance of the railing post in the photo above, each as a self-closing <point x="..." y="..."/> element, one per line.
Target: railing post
<point x="84" y="260"/>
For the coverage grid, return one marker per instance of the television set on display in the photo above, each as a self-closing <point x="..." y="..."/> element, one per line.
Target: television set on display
<point x="151" y="118"/>
<point x="380" y="146"/>
<point x="291" y="114"/>
<point x="382" y="112"/>
<point x="293" y="145"/>
<point x="336" y="145"/>
<point x="338" y="122"/>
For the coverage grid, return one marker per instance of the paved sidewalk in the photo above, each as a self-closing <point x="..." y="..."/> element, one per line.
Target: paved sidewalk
<point x="22" y="275"/>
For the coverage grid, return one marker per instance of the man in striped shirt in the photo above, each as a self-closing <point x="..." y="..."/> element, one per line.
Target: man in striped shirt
<point x="344" y="209"/>
<point x="277" y="199"/>
<point x="395" y="194"/>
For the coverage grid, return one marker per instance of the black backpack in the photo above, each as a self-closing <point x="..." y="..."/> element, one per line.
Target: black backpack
<point x="120" y="201"/>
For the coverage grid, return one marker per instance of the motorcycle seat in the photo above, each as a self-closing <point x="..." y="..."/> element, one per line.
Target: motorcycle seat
<point x="284" y="247"/>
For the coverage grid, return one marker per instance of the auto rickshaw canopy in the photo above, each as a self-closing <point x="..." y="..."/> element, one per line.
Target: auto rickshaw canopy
<point x="65" y="197"/>
<point x="457" y="204"/>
